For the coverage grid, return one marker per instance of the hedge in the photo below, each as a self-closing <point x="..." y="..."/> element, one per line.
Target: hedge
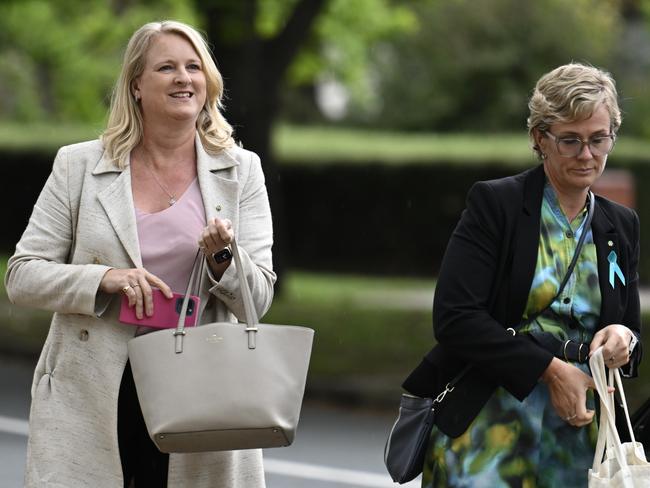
<point x="367" y="218"/>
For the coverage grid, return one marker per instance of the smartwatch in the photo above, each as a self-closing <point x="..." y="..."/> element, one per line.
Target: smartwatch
<point x="222" y="256"/>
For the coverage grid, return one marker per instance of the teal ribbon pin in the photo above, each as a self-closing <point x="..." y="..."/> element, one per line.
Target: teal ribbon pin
<point x="614" y="268"/>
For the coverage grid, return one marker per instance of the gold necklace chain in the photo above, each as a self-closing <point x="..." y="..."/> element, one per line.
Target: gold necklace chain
<point x="172" y="197"/>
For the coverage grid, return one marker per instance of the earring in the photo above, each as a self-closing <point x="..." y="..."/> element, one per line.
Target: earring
<point x="137" y="97"/>
<point x="544" y="155"/>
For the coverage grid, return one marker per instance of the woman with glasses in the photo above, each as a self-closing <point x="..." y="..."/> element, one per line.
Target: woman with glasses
<point x="523" y="414"/>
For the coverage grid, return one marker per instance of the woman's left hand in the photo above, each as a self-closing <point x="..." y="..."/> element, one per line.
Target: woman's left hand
<point x="615" y="339"/>
<point x="216" y="236"/>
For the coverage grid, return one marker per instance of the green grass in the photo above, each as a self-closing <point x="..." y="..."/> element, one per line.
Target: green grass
<point x="314" y="145"/>
<point x="360" y="329"/>
<point x="300" y="145"/>
<point x="304" y="145"/>
<point x="324" y="288"/>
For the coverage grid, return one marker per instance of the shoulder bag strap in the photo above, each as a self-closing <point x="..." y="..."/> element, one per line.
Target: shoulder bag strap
<point x="574" y="260"/>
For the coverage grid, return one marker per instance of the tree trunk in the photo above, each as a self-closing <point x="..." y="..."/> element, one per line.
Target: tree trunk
<point x="254" y="69"/>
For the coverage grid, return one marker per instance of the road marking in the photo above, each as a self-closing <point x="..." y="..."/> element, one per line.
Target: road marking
<point x="14" y="426"/>
<point x="335" y="475"/>
<point x="292" y="469"/>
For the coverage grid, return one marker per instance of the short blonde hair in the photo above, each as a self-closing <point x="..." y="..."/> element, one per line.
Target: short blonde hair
<point x="570" y="93"/>
<point x="124" y="129"/>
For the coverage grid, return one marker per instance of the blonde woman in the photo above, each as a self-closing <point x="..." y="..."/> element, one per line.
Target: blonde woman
<point x="524" y="413"/>
<point x="125" y="215"/>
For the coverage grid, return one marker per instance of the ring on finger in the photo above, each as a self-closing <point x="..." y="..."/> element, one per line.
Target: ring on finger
<point x="135" y="286"/>
<point x="126" y="289"/>
<point x="571" y="417"/>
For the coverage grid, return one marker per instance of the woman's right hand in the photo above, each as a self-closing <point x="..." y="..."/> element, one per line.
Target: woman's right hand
<point x="568" y="387"/>
<point x="136" y="284"/>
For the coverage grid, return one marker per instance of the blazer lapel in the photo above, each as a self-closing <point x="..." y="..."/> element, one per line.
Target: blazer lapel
<point x="606" y="240"/>
<point x="526" y="244"/>
<point x="218" y="188"/>
<point x="117" y="200"/>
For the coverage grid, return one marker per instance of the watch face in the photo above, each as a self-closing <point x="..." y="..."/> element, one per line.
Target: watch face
<point x="222" y="256"/>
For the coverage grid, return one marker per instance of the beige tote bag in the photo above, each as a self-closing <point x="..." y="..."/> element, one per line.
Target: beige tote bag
<point x="616" y="464"/>
<point x="221" y="386"/>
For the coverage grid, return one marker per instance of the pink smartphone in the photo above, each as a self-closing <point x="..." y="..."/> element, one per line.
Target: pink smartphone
<point x="165" y="311"/>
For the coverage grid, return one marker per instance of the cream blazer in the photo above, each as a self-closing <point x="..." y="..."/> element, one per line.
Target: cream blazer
<point x="83" y="224"/>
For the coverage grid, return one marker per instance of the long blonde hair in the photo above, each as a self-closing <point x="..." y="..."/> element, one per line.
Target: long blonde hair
<point x="124" y="130"/>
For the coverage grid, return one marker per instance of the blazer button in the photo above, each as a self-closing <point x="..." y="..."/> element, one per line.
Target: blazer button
<point x="83" y="335"/>
<point x="96" y="260"/>
<point x="218" y="208"/>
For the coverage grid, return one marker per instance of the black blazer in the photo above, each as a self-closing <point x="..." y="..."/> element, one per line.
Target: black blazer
<point x="483" y="288"/>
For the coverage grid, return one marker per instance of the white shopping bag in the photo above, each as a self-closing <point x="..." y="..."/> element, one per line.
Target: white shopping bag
<point x="616" y="464"/>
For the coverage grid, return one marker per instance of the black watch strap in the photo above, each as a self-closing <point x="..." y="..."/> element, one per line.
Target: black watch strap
<point x="222" y="256"/>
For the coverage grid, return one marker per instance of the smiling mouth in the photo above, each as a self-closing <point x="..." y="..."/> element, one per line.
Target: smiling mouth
<point x="182" y="95"/>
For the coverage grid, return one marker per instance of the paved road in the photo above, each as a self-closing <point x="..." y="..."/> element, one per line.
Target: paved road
<point x="334" y="448"/>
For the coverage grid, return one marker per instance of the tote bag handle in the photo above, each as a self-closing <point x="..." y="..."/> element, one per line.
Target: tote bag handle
<point x="607" y="434"/>
<point x="250" y="314"/>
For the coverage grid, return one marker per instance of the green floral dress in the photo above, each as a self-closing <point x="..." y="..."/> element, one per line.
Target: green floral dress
<point x="526" y="444"/>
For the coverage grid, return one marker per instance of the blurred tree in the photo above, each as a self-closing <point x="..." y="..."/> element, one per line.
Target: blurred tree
<point x="260" y="45"/>
<point x="59" y="59"/>
<point x="264" y="46"/>
<point x="254" y="59"/>
<point x="254" y="64"/>
<point x="632" y="65"/>
<point x="471" y="65"/>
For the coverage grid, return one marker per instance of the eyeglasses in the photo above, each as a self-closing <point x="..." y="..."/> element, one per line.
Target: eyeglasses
<point x="570" y="147"/>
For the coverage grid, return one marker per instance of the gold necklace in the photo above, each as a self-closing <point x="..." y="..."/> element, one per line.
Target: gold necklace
<point x="172" y="197"/>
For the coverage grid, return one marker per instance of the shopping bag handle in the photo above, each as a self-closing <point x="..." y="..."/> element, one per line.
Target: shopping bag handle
<point x="607" y="434"/>
<point x="250" y="314"/>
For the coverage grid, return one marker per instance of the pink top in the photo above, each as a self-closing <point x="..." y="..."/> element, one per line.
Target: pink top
<point x="169" y="238"/>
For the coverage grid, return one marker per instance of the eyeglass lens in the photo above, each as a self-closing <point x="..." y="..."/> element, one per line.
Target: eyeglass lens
<point x="598" y="146"/>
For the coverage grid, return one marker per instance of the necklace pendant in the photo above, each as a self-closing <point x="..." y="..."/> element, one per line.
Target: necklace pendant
<point x="172" y="201"/>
